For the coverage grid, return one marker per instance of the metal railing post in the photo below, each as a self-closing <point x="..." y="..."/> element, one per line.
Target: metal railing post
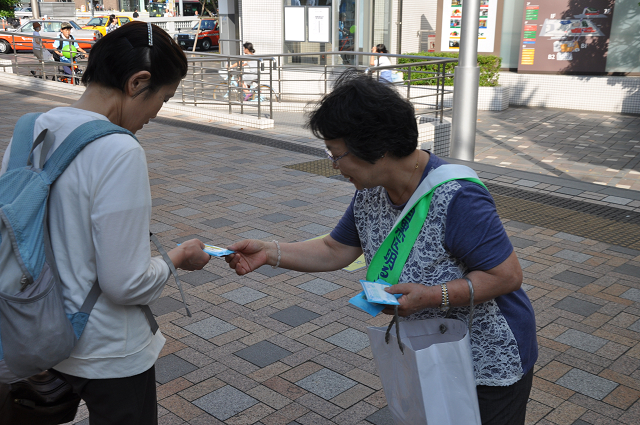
<point x="280" y="76"/>
<point x="325" y="79"/>
<point x="409" y="85"/>
<point x="182" y="90"/>
<point x="193" y="81"/>
<point x="444" y="76"/>
<point x="261" y="68"/>
<point x="15" y="54"/>
<point x="229" y="84"/>
<point x="438" y="77"/>
<point x="271" y="62"/>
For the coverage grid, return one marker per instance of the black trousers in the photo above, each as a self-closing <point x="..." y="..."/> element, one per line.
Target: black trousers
<point x="505" y="405"/>
<point x="119" y="401"/>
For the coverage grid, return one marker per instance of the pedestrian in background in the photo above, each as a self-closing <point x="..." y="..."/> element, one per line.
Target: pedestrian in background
<point x="112" y="24"/>
<point x="385" y="75"/>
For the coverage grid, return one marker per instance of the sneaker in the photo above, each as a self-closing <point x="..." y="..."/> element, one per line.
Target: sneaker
<point x="247" y="97"/>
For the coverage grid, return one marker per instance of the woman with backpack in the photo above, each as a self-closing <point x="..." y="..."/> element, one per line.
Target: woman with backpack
<point x="99" y="213"/>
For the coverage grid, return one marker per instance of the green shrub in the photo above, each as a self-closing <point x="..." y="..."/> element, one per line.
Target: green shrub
<point x="489" y="68"/>
<point x="6" y="8"/>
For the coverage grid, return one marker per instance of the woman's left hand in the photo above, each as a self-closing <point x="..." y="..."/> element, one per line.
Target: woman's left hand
<point x="415" y="297"/>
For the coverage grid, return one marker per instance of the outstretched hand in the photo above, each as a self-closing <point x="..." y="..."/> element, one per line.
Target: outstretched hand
<point x="249" y="255"/>
<point x="415" y="297"/>
<point x="189" y="255"/>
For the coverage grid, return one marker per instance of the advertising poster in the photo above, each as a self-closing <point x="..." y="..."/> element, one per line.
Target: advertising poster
<point x="319" y="19"/>
<point x="452" y="20"/>
<point x="565" y="36"/>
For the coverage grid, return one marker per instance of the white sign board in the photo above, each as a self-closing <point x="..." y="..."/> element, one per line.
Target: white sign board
<point x="451" y="25"/>
<point x="319" y="19"/>
<point x="294" y="23"/>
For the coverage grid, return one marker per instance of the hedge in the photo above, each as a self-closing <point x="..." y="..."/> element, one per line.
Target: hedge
<point x="489" y="68"/>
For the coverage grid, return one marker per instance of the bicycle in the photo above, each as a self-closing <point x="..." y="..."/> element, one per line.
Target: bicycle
<point x="227" y="91"/>
<point x="264" y="89"/>
<point x="232" y="91"/>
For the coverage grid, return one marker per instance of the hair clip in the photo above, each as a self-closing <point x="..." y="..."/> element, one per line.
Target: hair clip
<point x="150" y="34"/>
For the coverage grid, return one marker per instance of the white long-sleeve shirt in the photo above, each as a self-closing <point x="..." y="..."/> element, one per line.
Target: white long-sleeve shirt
<point x="99" y="214"/>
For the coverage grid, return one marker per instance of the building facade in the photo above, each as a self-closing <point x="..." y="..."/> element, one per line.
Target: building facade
<point x="407" y="26"/>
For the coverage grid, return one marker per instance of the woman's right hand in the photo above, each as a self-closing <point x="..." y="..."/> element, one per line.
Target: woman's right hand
<point x="249" y="255"/>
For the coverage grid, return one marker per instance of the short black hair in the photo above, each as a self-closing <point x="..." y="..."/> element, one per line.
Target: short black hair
<point x="371" y="118"/>
<point x="120" y="54"/>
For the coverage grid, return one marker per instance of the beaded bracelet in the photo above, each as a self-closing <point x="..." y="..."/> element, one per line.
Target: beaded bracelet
<point x="277" y="262"/>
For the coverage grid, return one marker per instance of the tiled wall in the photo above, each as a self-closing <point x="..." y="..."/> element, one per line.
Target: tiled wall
<point x="261" y="24"/>
<point x="434" y="135"/>
<point x="416" y="15"/>
<point x="606" y="94"/>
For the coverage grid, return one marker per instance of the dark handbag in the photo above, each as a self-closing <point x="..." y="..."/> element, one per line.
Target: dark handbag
<point x="43" y="399"/>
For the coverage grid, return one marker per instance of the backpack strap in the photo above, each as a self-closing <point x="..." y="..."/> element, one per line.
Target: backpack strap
<point x="167" y="260"/>
<point x="76" y="141"/>
<point x="21" y="144"/>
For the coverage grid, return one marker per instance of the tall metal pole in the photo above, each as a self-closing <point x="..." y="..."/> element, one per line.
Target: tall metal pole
<point x="35" y="9"/>
<point x="465" y="85"/>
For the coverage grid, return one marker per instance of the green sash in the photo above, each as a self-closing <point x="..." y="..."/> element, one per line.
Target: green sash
<point x="389" y="259"/>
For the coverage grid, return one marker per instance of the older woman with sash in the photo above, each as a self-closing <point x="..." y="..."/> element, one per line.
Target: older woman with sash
<point x="446" y="241"/>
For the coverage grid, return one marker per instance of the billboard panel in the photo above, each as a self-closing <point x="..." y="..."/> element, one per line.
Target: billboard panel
<point x="451" y="20"/>
<point x="565" y="36"/>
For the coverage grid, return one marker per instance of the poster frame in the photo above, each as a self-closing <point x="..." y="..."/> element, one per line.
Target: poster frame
<point x="295" y="23"/>
<point x="497" y="39"/>
<point x="328" y="21"/>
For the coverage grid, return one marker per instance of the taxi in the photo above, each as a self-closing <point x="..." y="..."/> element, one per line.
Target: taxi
<point x="99" y="23"/>
<point x="207" y="37"/>
<point x="21" y="39"/>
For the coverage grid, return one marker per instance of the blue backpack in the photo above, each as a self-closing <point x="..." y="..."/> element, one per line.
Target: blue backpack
<point x="35" y="332"/>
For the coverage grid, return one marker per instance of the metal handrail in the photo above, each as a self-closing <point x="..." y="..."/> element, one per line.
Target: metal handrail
<point x="287" y="82"/>
<point x="290" y="75"/>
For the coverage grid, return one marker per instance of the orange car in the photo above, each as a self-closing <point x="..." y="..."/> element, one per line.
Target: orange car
<point x="21" y="39"/>
<point x="208" y="36"/>
<point x="99" y="23"/>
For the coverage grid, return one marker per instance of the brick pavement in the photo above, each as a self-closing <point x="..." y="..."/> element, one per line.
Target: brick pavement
<point x="282" y="347"/>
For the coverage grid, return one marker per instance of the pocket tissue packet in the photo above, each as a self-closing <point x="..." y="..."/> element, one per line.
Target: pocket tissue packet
<point x="216" y="251"/>
<point x="373" y="299"/>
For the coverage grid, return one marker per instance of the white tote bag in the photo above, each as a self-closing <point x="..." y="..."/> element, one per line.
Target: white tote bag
<point x="433" y="381"/>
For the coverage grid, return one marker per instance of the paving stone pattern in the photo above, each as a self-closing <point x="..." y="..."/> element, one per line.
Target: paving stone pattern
<point x="283" y="347"/>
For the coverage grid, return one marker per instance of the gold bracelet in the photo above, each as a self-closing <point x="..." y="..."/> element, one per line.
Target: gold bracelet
<point x="445" y="298"/>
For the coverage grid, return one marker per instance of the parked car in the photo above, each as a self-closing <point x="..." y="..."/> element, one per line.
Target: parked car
<point x="23" y="12"/>
<point x="21" y="38"/>
<point x="99" y="23"/>
<point x="208" y="36"/>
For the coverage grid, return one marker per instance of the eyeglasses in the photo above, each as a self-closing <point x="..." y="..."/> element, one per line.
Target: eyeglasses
<point x="332" y="158"/>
